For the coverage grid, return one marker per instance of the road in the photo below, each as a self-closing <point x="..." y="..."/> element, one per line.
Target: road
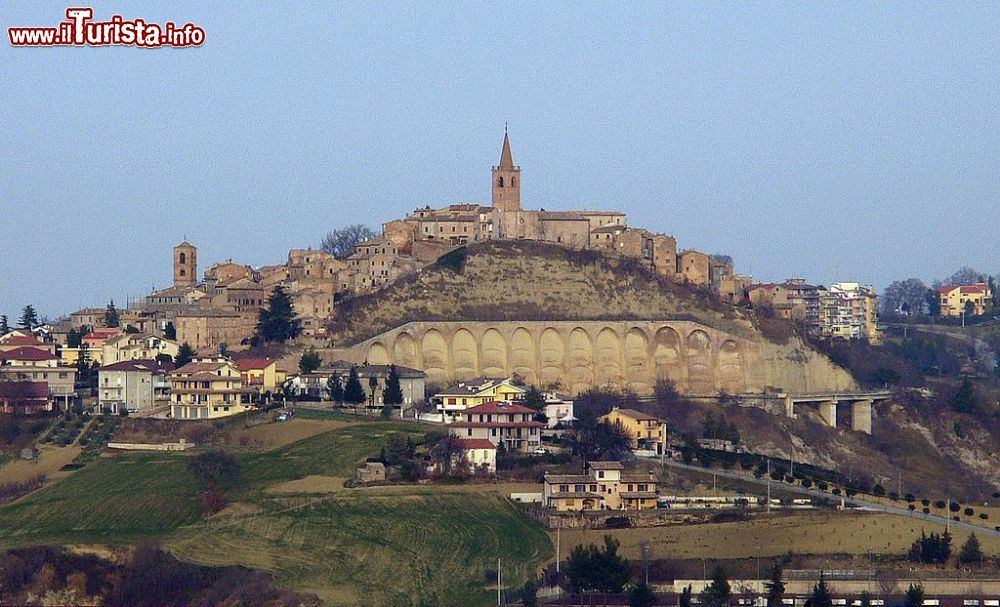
<point x="867" y="505"/>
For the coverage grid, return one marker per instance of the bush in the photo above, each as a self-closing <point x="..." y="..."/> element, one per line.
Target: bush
<point x="983" y="516"/>
<point x="939" y="504"/>
<point x="927" y="510"/>
<point x="954" y="506"/>
<point x="618" y="522"/>
<point x="969" y="512"/>
<point x="925" y="502"/>
<point x="878" y="490"/>
<point x="806" y="482"/>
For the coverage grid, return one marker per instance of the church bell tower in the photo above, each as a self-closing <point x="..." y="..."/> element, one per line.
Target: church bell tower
<point x="506" y="180"/>
<point x="185" y="265"/>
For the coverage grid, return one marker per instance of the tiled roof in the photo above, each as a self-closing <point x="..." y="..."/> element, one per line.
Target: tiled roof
<point x="636" y="415"/>
<point x="20" y="340"/>
<point x="569" y="479"/>
<point x="976" y="288"/>
<point x="476" y="443"/>
<point x="497" y="424"/>
<point x="194" y="368"/>
<point x="499" y="407"/>
<point x="27" y="353"/>
<point x="603" y="465"/>
<point x="139" y="365"/>
<point x="254" y="364"/>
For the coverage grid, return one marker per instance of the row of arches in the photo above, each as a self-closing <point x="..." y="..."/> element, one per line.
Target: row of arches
<point x="576" y="358"/>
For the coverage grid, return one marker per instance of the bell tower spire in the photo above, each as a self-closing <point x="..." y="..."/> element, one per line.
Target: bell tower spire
<point x="506" y="179"/>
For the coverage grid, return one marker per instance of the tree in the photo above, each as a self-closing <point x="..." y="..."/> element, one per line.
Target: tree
<point x="904" y="296"/>
<point x="534" y="399"/>
<point x="335" y="388"/>
<point x="601" y="440"/>
<point x="185" y="354"/>
<point x="685" y="598"/>
<point x="215" y="469"/>
<point x="277" y="322"/>
<point x="915" y="595"/>
<point x="933" y="302"/>
<point x="966" y="276"/>
<point x="964" y="401"/>
<point x="718" y="593"/>
<point x="971" y="553"/>
<point x="970" y="308"/>
<point x="29" y="318"/>
<point x="74" y="339"/>
<point x="353" y="392"/>
<point x="641" y="596"/>
<point x="592" y="568"/>
<point x="111" y="318"/>
<point x="393" y="394"/>
<point x="866" y="599"/>
<point x="775" y="587"/>
<point x="340" y="242"/>
<point x="170" y="331"/>
<point x="529" y="594"/>
<point x="372" y="388"/>
<point x="4" y="327"/>
<point x="821" y="593"/>
<point x="309" y="361"/>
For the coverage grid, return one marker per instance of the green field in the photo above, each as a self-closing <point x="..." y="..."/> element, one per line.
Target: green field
<point x="402" y="546"/>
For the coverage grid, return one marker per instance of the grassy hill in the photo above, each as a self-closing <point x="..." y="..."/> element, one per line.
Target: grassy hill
<point x="379" y="546"/>
<point x="529" y="280"/>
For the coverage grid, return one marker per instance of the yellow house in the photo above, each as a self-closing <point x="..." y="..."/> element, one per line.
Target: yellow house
<point x="606" y="486"/>
<point x="475" y="392"/>
<point x="955" y="298"/>
<point x="259" y="374"/>
<point x="207" y="388"/>
<point x="646" y="431"/>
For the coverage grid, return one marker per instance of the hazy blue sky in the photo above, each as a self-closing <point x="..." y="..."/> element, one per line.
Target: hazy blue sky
<point x="836" y="141"/>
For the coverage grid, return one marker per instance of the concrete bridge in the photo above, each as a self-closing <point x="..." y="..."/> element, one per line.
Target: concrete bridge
<point x="827" y="403"/>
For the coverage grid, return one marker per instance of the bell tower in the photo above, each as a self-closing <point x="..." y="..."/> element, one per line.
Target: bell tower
<point x="506" y="180"/>
<point x="185" y="265"/>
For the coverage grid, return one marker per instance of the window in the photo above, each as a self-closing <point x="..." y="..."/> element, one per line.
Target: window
<point x="500" y="183"/>
<point x="513" y="182"/>
<point x="183" y="259"/>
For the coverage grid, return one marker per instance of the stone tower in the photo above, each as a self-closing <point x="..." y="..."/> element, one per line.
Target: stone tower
<point x="506" y="180"/>
<point x="185" y="265"/>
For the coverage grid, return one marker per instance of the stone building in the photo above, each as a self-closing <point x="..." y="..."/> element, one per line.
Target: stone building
<point x="694" y="267"/>
<point x="206" y="330"/>
<point x="185" y="265"/>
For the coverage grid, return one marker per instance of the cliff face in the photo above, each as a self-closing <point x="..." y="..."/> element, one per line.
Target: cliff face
<point x="570" y="320"/>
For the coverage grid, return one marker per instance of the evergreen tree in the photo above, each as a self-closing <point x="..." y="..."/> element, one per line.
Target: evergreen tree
<point x="965" y="400"/>
<point x="335" y="388"/>
<point x="111" y="318"/>
<point x="184" y="355"/>
<point x="393" y="394"/>
<point x="866" y="599"/>
<point x="971" y="553"/>
<point x="29" y="318"/>
<point x="915" y="596"/>
<point x="718" y="593"/>
<point x="170" y="331"/>
<point x="372" y="389"/>
<point x="821" y="593"/>
<point x="4" y="327"/>
<point x="353" y="392"/>
<point x="685" y="598"/>
<point x="534" y="399"/>
<point x="277" y="322"/>
<point x="775" y="587"/>
<point x="309" y="361"/>
<point x="642" y="596"/>
<point x="529" y="594"/>
<point x="73" y="339"/>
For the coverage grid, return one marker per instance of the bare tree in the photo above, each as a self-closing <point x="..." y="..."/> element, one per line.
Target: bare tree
<point x="340" y="242"/>
<point x="906" y="296"/>
<point x="966" y="276"/>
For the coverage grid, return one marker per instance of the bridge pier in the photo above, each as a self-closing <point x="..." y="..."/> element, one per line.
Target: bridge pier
<point x="828" y="411"/>
<point x="861" y="416"/>
<point x="789" y="407"/>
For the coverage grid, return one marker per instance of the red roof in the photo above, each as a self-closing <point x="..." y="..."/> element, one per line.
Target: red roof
<point x="497" y="424"/>
<point x="976" y="288"/>
<point x="24" y="353"/>
<point x="21" y="340"/>
<point x="476" y="443"/>
<point x="253" y="364"/>
<point x="139" y="365"/>
<point x="498" y="407"/>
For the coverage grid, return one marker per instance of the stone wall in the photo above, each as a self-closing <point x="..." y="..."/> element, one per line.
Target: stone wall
<point x="578" y="355"/>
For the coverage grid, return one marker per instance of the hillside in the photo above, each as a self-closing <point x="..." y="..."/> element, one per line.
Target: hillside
<point x="529" y="280"/>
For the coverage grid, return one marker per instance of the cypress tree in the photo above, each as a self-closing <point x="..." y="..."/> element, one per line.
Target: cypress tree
<point x="335" y="388"/>
<point x="393" y="394"/>
<point x="111" y="318"/>
<point x="184" y="355"/>
<point x="353" y="392"/>
<point x="821" y="593"/>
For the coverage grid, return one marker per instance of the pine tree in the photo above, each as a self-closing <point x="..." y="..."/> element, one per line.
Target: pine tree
<point x="353" y="392"/>
<point x="821" y="593"/>
<point x="642" y="596"/>
<point x="534" y="399"/>
<point x="685" y="598"/>
<point x="4" y="327"/>
<point x="971" y="552"/>
<point x="111" y="318"/>
<point x="277" y="322"/>
<point x="915" y="596"/>
<point x="310" y="361"/>
<point x="335" y="388"/>
<point x="170" y="331"/>
<point x="965" y="400"/>
<point x="775" y="587"/>
<point x="393" y="394"/>
<point x="718" y="593"/>
<point x="29" y="318"/>
<point x="866" y="599"/>
<point x="184" y="355"/>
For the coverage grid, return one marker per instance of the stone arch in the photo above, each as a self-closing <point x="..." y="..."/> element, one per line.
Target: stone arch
<point x="494" y="354"/>
<point x="580" y="361"/>
<point x="522" y="355"/>
<point x="551" y="357"/>
<point x="435" y="355"/>
<point x="464" y="355"/>
<point x="668" y="360"/>
<point x="405" y="351"/>
<point x="701" y="379"/>
<point x="638" y="370"/>
<point x="731" y="377"/>
<point x="608" y="348"/>
<point x="378" y="354"/>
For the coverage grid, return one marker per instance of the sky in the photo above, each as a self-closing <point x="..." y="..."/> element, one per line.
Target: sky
<point x="831" y="141"/>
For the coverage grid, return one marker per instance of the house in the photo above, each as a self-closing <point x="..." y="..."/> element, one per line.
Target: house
<point x="480" y="453"/>
<point x="259" y="374"/>
<point x="604" y="486"/>
<point x="207" y="330"/>
<point x="646" y="431"/>
<point x="20" y="338"/>
<point x="207" y="388"/>
<point x="558" y="410"/>
<point x="137" y="346"/>
<point x="371" y="472"/>
<point x="498" y="422"/>
<point x="956" y="299"/>
<point x="412" y="382"/>
<point x="24" y="397"/>
<point x="454" y="400"/>
<point x="136" y="386"/>
<point x="28" y="363"/>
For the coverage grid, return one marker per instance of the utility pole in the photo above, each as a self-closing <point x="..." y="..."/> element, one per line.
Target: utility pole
<point x="558" y="529"/>
<point x="769" y="485"/>
<point x="499" y="581"/>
